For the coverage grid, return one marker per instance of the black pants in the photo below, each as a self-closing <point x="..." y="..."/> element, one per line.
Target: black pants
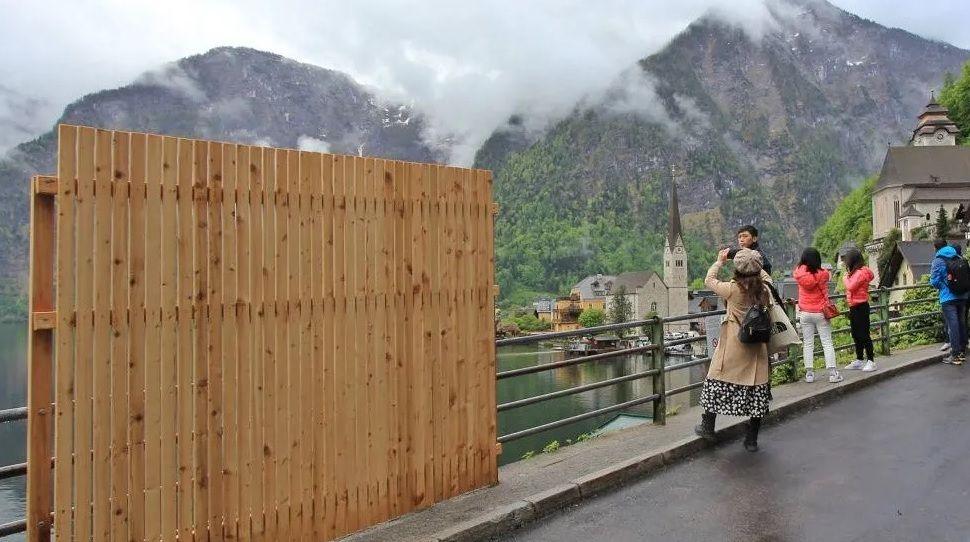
<point x="859" y="320"/>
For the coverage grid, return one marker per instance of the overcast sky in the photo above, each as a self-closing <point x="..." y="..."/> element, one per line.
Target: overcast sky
<point x="469" y="63"/>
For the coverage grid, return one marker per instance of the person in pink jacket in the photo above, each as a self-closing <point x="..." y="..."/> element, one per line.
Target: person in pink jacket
<point x="813" y="294"/>
<point x="856" y="280"/>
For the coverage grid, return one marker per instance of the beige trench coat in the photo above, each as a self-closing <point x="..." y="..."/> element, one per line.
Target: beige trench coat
<point x="734" y="361"/>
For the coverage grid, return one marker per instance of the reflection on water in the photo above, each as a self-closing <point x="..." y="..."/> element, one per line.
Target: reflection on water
<point x="511" y="389"/>
<point x="13" y="393"/>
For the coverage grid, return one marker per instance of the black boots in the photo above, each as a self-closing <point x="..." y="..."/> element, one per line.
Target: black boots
<point x="706" y="429"/>
<point x="751" y="438"/>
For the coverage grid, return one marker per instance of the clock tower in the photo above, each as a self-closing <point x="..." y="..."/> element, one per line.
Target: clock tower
<point x="934" y="127"/>
<point x="675" y="264"/>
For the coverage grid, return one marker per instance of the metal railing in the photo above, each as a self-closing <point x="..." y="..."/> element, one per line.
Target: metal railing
<point x="11" y="471"/>
<point x="654" y="327"/>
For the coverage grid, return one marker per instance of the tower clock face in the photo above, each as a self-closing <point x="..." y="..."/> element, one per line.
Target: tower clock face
<point x="940" y="134"/>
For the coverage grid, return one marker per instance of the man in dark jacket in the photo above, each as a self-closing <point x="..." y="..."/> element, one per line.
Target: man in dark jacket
<point x="748" y="238"/>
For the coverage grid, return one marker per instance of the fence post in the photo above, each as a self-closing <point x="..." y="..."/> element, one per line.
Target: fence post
<point x="659" y="379"/>
<point x="884" y="318"/>
<point x="40" y="367"/>
<point x="793" y="349"/>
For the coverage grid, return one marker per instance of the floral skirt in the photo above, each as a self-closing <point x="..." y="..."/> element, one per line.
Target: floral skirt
<point x="735" y="399"/>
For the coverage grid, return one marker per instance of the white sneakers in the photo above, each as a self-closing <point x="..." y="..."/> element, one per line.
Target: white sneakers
<point x="870" y="366"/>
<point x="834" y="377"/>
<point x="865" y="366"/>
<point x="945" y="347"/>
<point x="854" y="366"/>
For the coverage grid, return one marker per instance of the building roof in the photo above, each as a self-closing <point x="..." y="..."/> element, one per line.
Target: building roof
<point x="939" y="195"/>
<point x="632" y="280"/>
<point x="931" y="167"/>
<point x="918" y="255"/>
<point x="675" y="229"/>
<point x="911" y="211"/>
<point x="589" y="286"/>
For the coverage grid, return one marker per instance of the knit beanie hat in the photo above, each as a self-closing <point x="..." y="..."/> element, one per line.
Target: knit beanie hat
<point x="748" y="262"/>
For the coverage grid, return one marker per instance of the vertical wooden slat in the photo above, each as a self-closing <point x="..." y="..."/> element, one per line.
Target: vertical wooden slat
<point x="282" y="349"/>
<point x="83" y="489"/>
<point x="101" y="384"/>
<point x="402" y="321"/>
<point x="64" y="373"/>
<point x="341" y="397"/>
<point x="136" y="344"/>
<point x="306" y="378"/>
<point x="246" y="478"/>
<point x="330" y="319"/>
<point x="186" y="298"/>
<point x="169" y="339"/>
<point x="440" y="391"/>
<point x="415" y="350"/>
<point x="478" y="315"/>
<point x="269" y="350"/>
<point x="119" y="337"/>
<point x="367" y="336"/>
<point x="230" y="498"/>
<point x="381" y="430"/>
<point x="40" y="375"/>
<point x="262" y="381"/>
<point x="314" y="177"/>
<point x="357" y="338"/>
<point x="201" y="467"/>
<point x="454" y="300"/>
<point x="294" y="407"/>
<point x="153" y="359"/>
<point x="214" y="361"/>
<point x="426" y="317"/>
<point x="387" y="354"/>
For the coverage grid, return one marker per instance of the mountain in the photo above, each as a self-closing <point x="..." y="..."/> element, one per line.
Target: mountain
<point x="227" y="94"/>
<point x="771" y="129"/>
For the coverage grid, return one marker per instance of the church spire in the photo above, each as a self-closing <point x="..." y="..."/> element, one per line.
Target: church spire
<point x="673" y="221"/>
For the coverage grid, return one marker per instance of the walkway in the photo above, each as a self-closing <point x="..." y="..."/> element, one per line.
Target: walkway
<point x="890" y="462"/>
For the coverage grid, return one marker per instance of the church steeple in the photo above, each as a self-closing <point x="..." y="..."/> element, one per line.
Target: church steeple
<point x="934" y="126"/>
<point x="674" y="231"/>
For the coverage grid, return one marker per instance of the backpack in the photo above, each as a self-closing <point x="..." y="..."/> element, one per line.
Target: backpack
<point x="958" y="275"/>
<point x="756" y="325"/>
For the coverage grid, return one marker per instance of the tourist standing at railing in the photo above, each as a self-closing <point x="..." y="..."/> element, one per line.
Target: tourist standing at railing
<point x="737" y="381"/>
<point x="856" y="280"/>
<point x="947" y="271"/>
<point x="813" y="296"/>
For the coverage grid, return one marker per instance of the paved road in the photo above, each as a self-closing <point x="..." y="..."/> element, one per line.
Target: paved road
<point x="888" y="463"/>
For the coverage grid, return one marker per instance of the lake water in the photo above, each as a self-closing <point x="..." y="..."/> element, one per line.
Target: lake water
<point x="13" y="386"/>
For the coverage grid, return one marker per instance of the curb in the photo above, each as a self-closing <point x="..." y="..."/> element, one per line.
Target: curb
<point x="505" y="519"/>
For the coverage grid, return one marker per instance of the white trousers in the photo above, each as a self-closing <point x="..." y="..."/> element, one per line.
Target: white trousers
<point x="812" y="322"/>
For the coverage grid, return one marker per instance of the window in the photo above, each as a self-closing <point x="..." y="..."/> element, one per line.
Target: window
<point x="896" y="212"/>
<point x="680" y="263"/>
<point x="667" y="263"/>
<point x="653" y="306"/>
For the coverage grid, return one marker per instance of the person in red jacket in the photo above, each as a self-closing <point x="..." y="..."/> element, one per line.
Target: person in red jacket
<point x="856" y="280"/>
<point x="813" y="294"/>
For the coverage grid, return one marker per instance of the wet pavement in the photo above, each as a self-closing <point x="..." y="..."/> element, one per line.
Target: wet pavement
<point x="887" y="463"/>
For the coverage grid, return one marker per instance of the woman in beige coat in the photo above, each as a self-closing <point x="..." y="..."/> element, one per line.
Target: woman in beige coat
<point x="738" y="381"/>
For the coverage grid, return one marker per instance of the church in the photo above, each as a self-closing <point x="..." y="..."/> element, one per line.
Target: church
<point x="648" y="292"/>
<point x="916" y="180"/>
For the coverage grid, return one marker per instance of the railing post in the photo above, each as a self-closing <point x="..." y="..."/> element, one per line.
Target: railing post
<point x="40" y="365"/>
<point x="884" y="318"/>
<point x="793" y="350"/>
<point x="659" y="379"/>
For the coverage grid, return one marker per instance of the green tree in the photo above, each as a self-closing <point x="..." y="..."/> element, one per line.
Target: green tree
<point x="621" y="310"/>
<point x="955" y="95"/>
<point x="942" y="224"/>
<point x="591" y="317"/>
<point x="886" y="251"/>
<point x="850" y="221"/>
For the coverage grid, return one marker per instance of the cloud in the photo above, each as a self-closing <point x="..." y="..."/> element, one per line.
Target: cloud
<point x="173" y="77"/>
<point x="307" y="143"/>
<point x="467" y="66"/>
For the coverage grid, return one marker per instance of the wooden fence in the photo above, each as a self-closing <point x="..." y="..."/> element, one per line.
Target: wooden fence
<point x="248" y="342"/>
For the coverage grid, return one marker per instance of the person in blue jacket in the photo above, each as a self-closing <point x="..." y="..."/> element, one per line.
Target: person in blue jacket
<point x="954" y="306"/>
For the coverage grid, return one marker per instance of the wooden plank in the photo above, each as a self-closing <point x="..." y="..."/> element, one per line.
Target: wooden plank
<point x="306" y="377"/>
<point x="84" y="384"/>
<point x="65" y="340"/>
<point x="478" y="315"/>
<point x="440" y="392"/>
<point x="200" y="480"/>
<point x="282" y="350"/>
<point x="40" y="375"/>
<point x="153" y="353"/>
<point x="44" y="184"/>
<point x="453" y="332"/>
<point x="262" y="378"/>
<point x="169" y="339"/>
<point x="119" y="336"/>
<point x="490" y="334"/>
<point x="101" y="415"/>
<point x="231" y="340"/>
<point x="136" y="338"/>
<point x="314" y="190"/>
<point x="365" y="209"/>
<point x="402" y="322"/>
<point x="342" y="434"/>
<point x="247" y="479"/>
<point x="186" y="297"/>
<point x="214" y="361"/>
<point x="415" y="348"/>
<point x="356" y="338"/>
<point x="42" y="320"/>
<point x="382" y="408"/>
<point x="294" y="399"/>
<point x="425" y="259"/>
<point x="330" y="319"/>
<point x="465" y="366"/>
<point x="269" y="350"/>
